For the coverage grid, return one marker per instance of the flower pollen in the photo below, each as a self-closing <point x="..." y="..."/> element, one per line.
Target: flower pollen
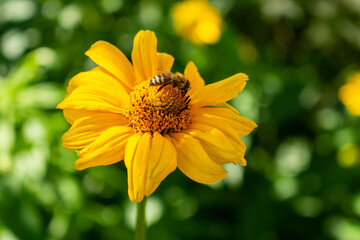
<point x="162" y="109"/>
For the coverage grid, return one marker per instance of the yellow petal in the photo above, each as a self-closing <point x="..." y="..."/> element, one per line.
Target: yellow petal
<point x="130" y="152"/>
<point x="100" y="81"/>
<point x="140" y="166"/>
<point x="113" y="60"/>
<point x="221" y="91"/>
<point x="210" y="130"/>
<point x="87" y="98"/>
<point x="196" y="81"/>
<point x="162" y="161"/>
<point x="194" y="162"/>
<point x="137" y="166"/>
<point x="157" y="145"/>
<point x="241" y="125"/>
<point x="144" y="55"/>
<point x="107" y="149"/>
<point x="71" y="115"/>
<point x="224" y="127"/>
<point x="96" y="69"/>
<point x="236" y="143"/>
<point x="165" y="62"/>
<point x="100" y="69"/>
<point x="86" y="130"/>
<point x="148" y="159"/>
<point x="218" y="150"/>
<point x="208" y="124"/>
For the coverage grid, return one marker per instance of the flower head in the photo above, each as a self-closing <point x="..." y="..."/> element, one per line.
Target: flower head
<point x="198" y="21"/>
<point x="349" y="94"/>
<point x="148" y="116"/>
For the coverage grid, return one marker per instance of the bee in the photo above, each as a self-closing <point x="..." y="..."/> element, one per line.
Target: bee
<point x="176" y="79"/>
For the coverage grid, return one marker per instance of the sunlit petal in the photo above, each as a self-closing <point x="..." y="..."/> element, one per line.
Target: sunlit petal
<point x="113" y="60"/>
<point x="221" y="91"/>
<point x="196" y="81"/>
<point x="165" y="62"/>
<point x="108" y="148"/>
<point x="98" y="80"/>
<point x="144" y="55"/>
<point x="194" y="162"/>
<point x="162" y="161"/>
<point x="137" y="163"/>
<point x="241" y="125"/>
<point x="86" y="130"/>
<point x="86" y="98"/>
<point x="71" y="115"/>
<point x="219" y="151"/>
<point x="130" y="152"/>
<point x="208" y="125"/>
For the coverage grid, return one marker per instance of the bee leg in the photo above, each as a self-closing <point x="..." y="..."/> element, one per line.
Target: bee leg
<point x="187" y="100"/>
<point x="162" y="86"/>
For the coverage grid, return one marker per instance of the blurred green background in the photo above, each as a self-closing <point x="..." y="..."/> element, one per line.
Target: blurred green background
<point x="302" y="180"/>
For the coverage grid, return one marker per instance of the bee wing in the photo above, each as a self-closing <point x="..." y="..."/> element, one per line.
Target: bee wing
<point x="180" y="74"/>
<point x="161" y="71"/>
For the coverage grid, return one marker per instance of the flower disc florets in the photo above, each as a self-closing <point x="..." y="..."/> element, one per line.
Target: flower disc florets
<point x="153" y="110"/>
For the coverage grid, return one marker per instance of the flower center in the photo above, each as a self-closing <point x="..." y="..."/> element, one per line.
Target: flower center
<point x="161" y="109"/>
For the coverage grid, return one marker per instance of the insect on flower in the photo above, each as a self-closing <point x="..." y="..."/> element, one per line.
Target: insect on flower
<point x="177" y="80"/>
<point x="144" y="114"/>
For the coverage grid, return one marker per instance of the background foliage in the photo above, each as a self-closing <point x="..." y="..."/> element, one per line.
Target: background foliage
<point x="302" y="180"/>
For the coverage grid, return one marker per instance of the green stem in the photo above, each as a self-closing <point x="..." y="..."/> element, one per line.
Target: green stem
<point x="140" y="231"/>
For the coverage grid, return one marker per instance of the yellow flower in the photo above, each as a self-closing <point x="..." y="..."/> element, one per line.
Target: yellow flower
<point x="116" y="114"/>
<point x="349" y="94"/>
<point x="197" y="21"/>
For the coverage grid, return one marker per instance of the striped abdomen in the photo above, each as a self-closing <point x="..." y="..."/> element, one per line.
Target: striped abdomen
<point x="161" y="79"/>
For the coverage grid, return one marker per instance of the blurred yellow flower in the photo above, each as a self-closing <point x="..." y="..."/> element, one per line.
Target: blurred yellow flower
<point x="198" y="21"/>
<point x="349" y="94"/>
<point x="117" y="114"/>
